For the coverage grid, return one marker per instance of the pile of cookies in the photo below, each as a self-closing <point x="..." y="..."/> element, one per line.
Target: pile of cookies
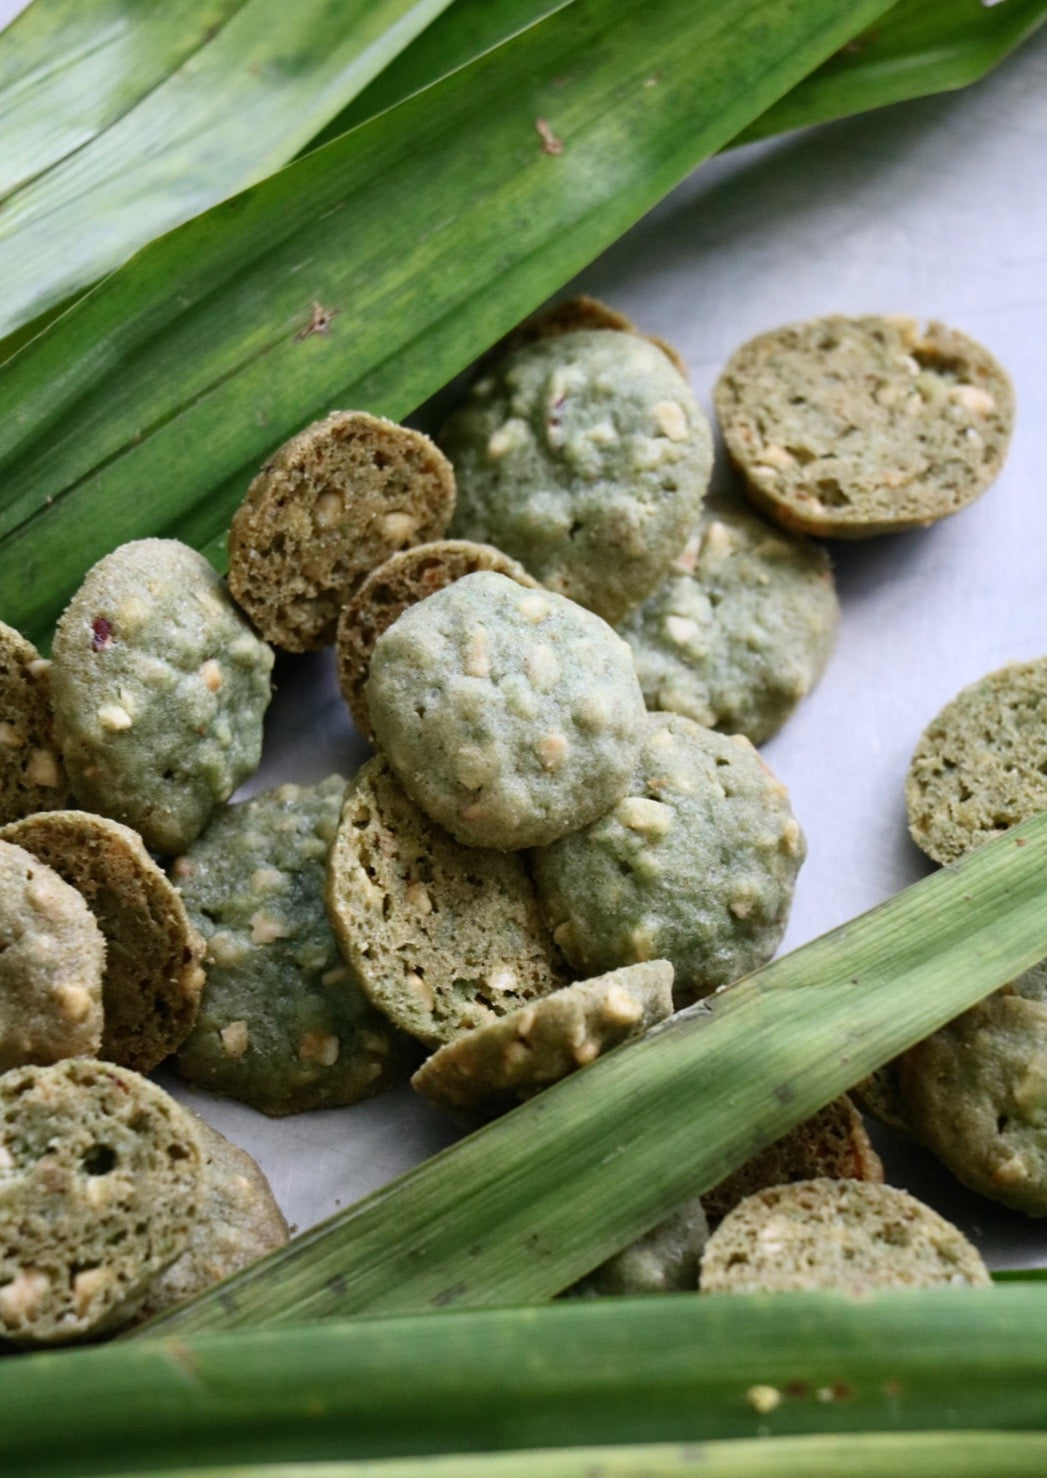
<point x="564" y="652"/>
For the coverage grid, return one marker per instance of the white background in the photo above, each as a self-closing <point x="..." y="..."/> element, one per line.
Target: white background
<point x="935" y="208"/>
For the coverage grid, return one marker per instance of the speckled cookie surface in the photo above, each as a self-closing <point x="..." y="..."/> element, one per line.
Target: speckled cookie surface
<point x="443" y="938"/>
<point x="855" y="426"/>
<point x="666" y="1260"/>
<point x="151" y="986"/>
<point x="570" y="316"/>
<point x="831" y="1144"/>
<point x="851" y="1235"/>
<point x="976" y="1093"/>
<point x="585" y="456"/>
<point x="100" y="1182"/>
<point x="491" y="1069"/>
<point x="283" y="1024"/>
<point x="511" y="716"/>
<point x="32" y="776"/>
<point x="401" y="581"/>
<point x="980" y="766"/>
<point x="695" y="865"/>
<point x="52" y="954"/>
<point x="238" y="1222"/>
<point x="328" y="506"/>
<point x="159" y="690"/>
<point x="740" y="630"/>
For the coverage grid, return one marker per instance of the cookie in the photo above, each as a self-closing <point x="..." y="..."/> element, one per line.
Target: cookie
<point x="159" y="690"/>
<point x="328" y="506"/>
<point x="511" y="716"/>
<point x="740" y="630"/>
<point x="880" y="1096"/>
<point x="443" y="938"/>
<point x="32" y="776"/>
<point x="573" y="314"/>
<point x="695" y="865"/>
<point x="100" y="1183"/>
<point x="980" y="766"/>
<point x="855" y="426"/>
<point x="238" y="1222"/>
<point x="52" y="955"/>
<point x="401" y="581"/>
<point x="152" y="981"/>
<point x="665" y="1260"/>
<point x="976" y="1094"/>
<point x="494" y="1067"/>
<point x="850" y="1235"/>
<point x="831" y="1144"/>
<point x="283" y="1025"/>
<point x="585" y="456"/>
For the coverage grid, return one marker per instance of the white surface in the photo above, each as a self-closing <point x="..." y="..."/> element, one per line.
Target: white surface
<point x="936" y="209"/>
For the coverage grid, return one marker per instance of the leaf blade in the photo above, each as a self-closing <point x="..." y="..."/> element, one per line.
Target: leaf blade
<point x="182" y="371"/>
<point x="259" y="82"/>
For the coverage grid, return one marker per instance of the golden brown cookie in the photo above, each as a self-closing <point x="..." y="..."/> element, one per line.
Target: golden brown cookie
<point x="401" y="581"/>
<point x="331" y="504"/>
<point x="153" y="978"/>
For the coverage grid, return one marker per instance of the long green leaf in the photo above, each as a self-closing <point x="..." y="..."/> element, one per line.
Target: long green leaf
<point x="368" y="273"/>
<point x="919" y="47"/>
<point x="242" y="86"/>
<point x="865" y="1455"/>
<point x="675" y="1368"/>
<point x="524" y="1207"/>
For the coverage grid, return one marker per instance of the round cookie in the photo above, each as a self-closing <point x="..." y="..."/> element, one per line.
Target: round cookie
<point x="100" y="1183"/>
<point x="52" y="954"/>
<point x="511" y="716"/>
<point x="851" y="1235"/>
<point x="665" y="1260"/>
<point x="980" y="766"/>
<point x="283" y="1025"/>
<point x="32" y="776"/>
<point x="976" y="1094"/>
<point x="238" y="1222"/>
<point x="855" y="426"/>
<point x="492" y="1068"/>
<point x="585" y="456"/>
<point x="328" y="506"/>
<point x="740" y="630"/>
<point x="695" y="865"/>
<point x="831" y="1144"/>
<point x="159" y="690"/>
<point x="152" y="981"/>
<point x="401" y="581"/>
<point x="443" y="938"/>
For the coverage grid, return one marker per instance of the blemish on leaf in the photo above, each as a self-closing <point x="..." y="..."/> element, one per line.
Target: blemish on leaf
<point x="550" y="143"/>
<point x="319" y="322"/>
<point x="784" y="1093"/>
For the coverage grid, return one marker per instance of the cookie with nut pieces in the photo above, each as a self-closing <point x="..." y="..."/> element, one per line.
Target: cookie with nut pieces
<point x="443" y="938"/>
<point x="100" y="1183"/>
<point x="52" y="954"/>
<point x="491" y="1069"/>
<point x="153" y="977"/>
<point x="511" y="716"/>
<point x="32" y="776"/>
<point x="848" y="427"/>
<point x="283" y="1023"/>
<point x="328" y="507"/>
<point x="401" y="581"/>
